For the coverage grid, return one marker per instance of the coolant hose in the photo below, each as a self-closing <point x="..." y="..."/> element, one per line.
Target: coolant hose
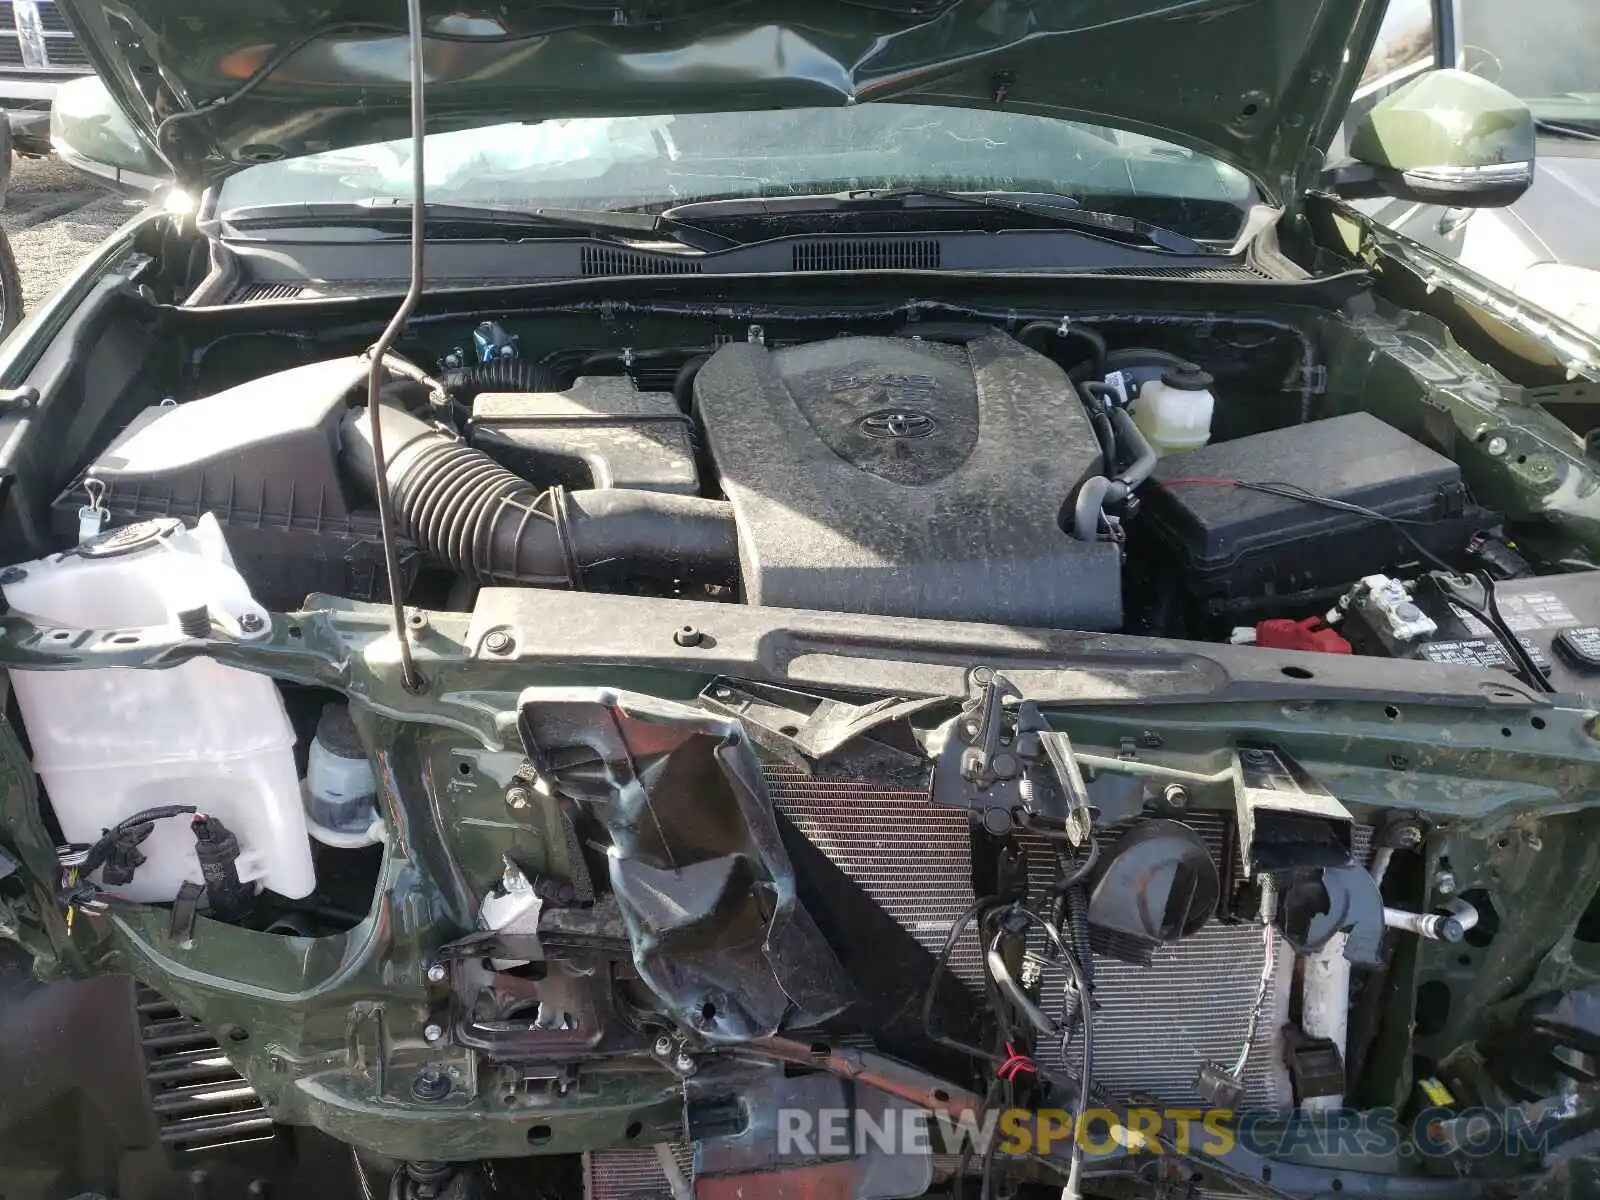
<point x="465" y="510"/>
<point x="1098" y="493"/>
<point x="1130" y="437"/>
<point x="1086" y="509"/>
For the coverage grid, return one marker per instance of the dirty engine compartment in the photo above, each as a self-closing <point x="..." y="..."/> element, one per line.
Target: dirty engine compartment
<point x="921" y="708"/>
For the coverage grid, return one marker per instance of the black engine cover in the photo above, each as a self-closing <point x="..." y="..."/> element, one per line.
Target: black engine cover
<point x="908" y="478"/>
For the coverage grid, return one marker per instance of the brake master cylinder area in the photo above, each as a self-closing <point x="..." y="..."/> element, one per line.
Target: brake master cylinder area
<point x="162" y="780"/>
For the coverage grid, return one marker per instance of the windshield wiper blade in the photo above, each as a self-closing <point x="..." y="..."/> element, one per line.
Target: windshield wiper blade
<point x="1061" y="210"/>
<point x="1055" y="209"/>
<point x="1563" y="129"/>
<point x="385" y="213"/>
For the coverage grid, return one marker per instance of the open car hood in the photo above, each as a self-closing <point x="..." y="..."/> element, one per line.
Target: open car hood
<point x="217" y="85"/>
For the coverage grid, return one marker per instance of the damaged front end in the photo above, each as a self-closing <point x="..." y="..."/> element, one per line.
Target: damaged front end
<point x="633" y="893"/>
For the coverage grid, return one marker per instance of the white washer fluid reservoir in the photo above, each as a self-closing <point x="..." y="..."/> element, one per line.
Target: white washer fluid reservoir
<point x="110" y="742"/>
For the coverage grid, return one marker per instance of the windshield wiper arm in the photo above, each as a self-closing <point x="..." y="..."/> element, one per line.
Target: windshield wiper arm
<point x="1562" y="129"/>
<point x="391" y="213"/>
<point x="1060" y="210"/>
<point x="1055" y="209"/>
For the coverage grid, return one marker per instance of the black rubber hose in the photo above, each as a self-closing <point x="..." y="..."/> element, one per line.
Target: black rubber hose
<point x="1097" y="343"/>
<point x="471" y="514"/>
<point x="683" y="381"/>
<point x="1088" y="506"/>
<point x="1106" y="439"/>
<point x="465" y="384"/>
<point x="1131" y="438"/>
<point x="1098" y="492"/>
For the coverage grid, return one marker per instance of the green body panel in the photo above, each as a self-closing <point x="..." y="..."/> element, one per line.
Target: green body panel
<point x="86" y="122"/>
<point x="1445" y="118"/>
<point x="1260" y="84"/>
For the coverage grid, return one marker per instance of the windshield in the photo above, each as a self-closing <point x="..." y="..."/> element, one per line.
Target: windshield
<point x="1546" y="52"/>
<point x="652" y="162"/>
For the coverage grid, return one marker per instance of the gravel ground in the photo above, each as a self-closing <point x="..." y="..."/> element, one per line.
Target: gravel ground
<point x="54" y="216"/>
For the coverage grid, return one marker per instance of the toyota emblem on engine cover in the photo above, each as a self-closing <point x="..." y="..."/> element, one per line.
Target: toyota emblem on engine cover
<point x="897" y="423"/>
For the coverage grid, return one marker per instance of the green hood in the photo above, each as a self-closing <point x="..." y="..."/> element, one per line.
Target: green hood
<point x="1260" y="84"/>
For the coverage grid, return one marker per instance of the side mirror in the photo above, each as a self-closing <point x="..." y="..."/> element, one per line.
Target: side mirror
<point x="1445" y="138"/>
<point x="88" y="131"/>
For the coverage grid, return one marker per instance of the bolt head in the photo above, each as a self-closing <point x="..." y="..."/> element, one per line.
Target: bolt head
<point x="499" y="642"/>
<point x="723" y="693"/>
<point x="438" y="973"/>
<point x="432" y="1031"/>
<point x="688" y="635"/>
<point x="252" y="623"/>
<point x="663" y="1046"/>
<point x="1408" y="837"/>
<point x="1176" y="795"/>
<point x="1444" y="883"/>
<point x="518" y="798"/>
<point x="684" y="1063"/>
<point x="1497" y="446"/>
<point x="431" y="1084"/>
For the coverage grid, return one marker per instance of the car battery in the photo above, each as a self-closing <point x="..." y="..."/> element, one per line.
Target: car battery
<point x="1555" y="617"/>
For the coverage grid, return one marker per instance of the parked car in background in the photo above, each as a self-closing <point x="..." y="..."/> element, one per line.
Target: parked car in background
<point x="1546" y="247"/>
<point x="38" y="53"/>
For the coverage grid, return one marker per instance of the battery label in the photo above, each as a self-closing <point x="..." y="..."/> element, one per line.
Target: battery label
<point x="1468" y="652"/>
<point x="1480" y="652"/>
<point x="1581" y="645"/>
<point x="1524" y="611"/>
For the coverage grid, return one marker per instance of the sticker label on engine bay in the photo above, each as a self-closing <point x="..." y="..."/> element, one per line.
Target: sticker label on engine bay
<point x="1523" y="611"/>
<point x="1468" y="652"/>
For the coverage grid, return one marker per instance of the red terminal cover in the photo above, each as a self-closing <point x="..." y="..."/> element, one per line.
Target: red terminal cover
<point x="1310" y="634"/>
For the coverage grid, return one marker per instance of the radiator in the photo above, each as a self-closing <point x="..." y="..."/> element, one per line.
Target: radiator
<point x="1154" y="1025"/>
<point x="637" y="1173"/>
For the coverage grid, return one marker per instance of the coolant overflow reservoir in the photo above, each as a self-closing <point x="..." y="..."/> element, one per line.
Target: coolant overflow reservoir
<point x="110" y="742"/>
<point x="1174" y="412"/>
<point x="341" y="790"/>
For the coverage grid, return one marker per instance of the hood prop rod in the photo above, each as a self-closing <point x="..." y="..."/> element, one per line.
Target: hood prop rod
<point x="410" y="676"/>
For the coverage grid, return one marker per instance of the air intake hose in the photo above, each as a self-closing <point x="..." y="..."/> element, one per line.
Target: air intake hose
<point x="464" y="509"/>
<point x="466" y="383"/>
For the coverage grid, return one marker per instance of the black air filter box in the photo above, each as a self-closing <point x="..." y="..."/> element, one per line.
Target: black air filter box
<point x="1236" y="547"/>
<point x="602" y="432"/>
<point x="263" y="459"/>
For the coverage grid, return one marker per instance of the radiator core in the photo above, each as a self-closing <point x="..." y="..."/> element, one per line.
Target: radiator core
<point x="1154" y="1025"/>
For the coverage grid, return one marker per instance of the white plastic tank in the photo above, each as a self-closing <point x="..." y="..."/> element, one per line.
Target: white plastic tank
<point x="1174" y="411"/>
<point x="113" y="741"/>
<point x="341" y="788"/>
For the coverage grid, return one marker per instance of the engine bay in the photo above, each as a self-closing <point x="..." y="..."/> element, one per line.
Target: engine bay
<point x="915" y="711"/>
<point x="948" y="471"/>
